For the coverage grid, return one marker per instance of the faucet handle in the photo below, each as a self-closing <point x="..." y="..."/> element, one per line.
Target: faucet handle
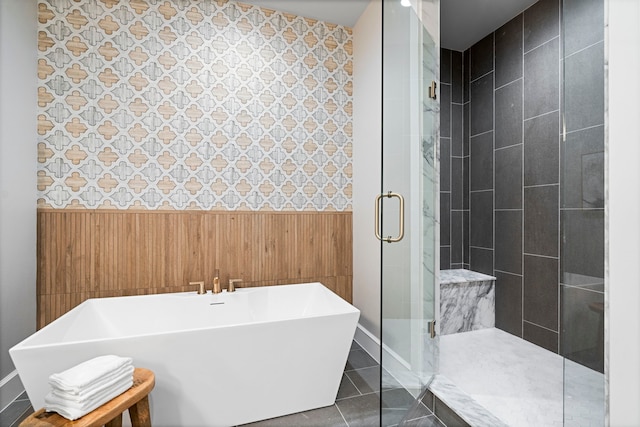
<point x="201" y="289"/>
<point x="232" y="284"/>
<point x="216" y="285"/>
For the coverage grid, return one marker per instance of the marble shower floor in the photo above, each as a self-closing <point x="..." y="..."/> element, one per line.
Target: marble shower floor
<point x="521" y="383"/>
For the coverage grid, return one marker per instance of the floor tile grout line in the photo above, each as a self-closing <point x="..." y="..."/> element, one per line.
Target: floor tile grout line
<point x="354" y="397"/>
<point x="362" y="367"/>
<point x="15" y="421"/>
<point x="351" y="381"/>
<point x="342" y="415"/>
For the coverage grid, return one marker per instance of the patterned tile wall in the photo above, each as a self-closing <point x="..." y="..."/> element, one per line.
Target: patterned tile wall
<point x="185" y="104"/>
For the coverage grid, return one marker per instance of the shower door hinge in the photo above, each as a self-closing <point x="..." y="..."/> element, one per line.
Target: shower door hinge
<point x="432" y="328"/>
<point x="432" y="90"/>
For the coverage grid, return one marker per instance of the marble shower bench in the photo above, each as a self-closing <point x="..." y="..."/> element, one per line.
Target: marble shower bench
<point x="467" y="301"/>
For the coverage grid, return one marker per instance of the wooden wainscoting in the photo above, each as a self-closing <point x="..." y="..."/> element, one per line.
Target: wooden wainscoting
<point x="93" y="253"/>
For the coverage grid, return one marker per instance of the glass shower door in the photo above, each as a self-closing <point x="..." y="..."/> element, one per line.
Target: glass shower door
<point x="407" y="205"/>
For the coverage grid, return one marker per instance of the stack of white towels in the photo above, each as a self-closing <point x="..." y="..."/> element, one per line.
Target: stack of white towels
<point x="84" y="387"/>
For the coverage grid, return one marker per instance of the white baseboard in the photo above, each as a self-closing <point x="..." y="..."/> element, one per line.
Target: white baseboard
<point x="10" y="388"/>
<point x="368" y="342"/>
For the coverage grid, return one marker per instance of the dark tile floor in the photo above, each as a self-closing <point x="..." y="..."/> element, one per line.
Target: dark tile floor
<point x="17" y="411"/>
<point x="357" y="403"/>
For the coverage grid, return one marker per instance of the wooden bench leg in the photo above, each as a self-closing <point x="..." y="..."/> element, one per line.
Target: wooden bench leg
<point x="139" y="413"/>
<point x="116" y="422"/>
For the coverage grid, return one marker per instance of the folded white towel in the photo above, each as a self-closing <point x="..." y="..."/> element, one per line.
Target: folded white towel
<point x="73" y="411"/>
<point x="88" y="373"/>
<point x="118" y="377"/>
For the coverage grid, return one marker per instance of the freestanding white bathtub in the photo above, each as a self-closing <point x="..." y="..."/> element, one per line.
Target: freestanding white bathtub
<point x="219" y="360"/>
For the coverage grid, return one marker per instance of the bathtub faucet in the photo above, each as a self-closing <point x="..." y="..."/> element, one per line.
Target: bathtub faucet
<point x="216" y="285"/>
<point x="232" y="284"/>
<point x="200" y="285"/>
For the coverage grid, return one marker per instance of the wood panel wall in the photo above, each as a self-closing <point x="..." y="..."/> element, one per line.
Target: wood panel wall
<point x="93" y="253"/>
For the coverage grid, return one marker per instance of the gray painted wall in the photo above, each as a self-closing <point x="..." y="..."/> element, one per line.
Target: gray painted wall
<point x="18" y="154"/>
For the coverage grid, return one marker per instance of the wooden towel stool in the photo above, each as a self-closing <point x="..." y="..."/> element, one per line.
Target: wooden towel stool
<point x="135" y="399"/>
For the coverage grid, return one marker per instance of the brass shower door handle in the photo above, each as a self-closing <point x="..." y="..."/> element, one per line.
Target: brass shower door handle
<point x="389" y="239"/>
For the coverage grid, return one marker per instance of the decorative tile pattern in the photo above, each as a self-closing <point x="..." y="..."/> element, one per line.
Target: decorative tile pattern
<point x="184" y="104"/>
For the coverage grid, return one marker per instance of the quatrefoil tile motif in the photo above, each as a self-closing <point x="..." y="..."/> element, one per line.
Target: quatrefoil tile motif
<point x="211" y="104"/>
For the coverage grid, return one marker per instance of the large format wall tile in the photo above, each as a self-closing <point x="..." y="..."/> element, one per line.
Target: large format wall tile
<point x="445" y="111"/>
<point x="509" y="177"/>
<point x="541" y="218"/>
<point x="542" y="337"/>
<point x="445" y="219"/>
<point x="583" y="243"/>
<point x="541" y="79"/>
<point x="583" y="326"/>
<point x="456" y="130"/>
<point x="192" y="105"/>
<point x="583" y="22"/>
<point x="542" y="149"/>
<point x="445" y="257"/>
<point x="583" y="88"/>
<point x="583" y="169"/>
<point x="456" y="183"/>
<point x="482" y="162"/>
<point x="541" y="23"/>
<point x="508" y="55"/>
<point x="541" y="291"/>
<point x="481" y="58"/>
<point x="445" y="66"/>
<point x="481" y="260"/>
<point x="542" y="185"/>
<point x="508" y="101"/>
<point x="509" y="302"/>
<point x="445" y="164"/>
<point x="456" y="237"/>
<point x="508" y="244"/>
<point x="456" y="77"/>
<point x="481" y="233"/>
<point x="481" y="105"/>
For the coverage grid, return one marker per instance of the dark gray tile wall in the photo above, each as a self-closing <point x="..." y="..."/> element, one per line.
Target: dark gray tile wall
<point x="466" y="152"/>
<point x="482" y="162"/>
<point x="541" y="149"/>
<point x="481" y="228"/>
<point x="541" y="23"/>
<point x="582" y="184"/>
<point x="509" y="298"/>
<point x="541" y="220"/>
<point x="508" y="177"/>
<point x="515" y="218"/>
<point x="453" y="188"/>
<point x="508" y="242"/>
<point x="509" y="113"/>
<point x="541" y="292"/>
<point x="541" y="79"/>
<point x="532" y="197"/>
<point x="481" y="159"/>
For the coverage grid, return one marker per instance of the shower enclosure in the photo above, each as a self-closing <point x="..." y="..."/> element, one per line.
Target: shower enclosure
<point x="571" y="41"/>
<point x="407" y="206"/>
